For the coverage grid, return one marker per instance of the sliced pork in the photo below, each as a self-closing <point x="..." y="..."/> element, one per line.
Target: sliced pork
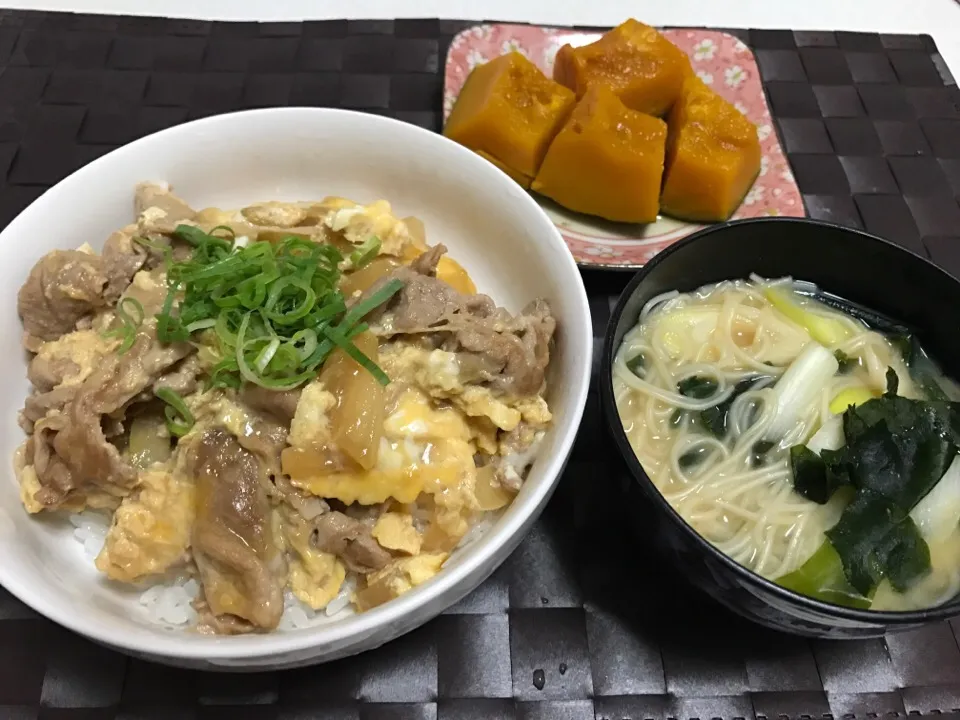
<point x="63" y="287"/>
<point x="232" y="540"/>
<point x="350" y="540"/>
<point x="510" y="353"/>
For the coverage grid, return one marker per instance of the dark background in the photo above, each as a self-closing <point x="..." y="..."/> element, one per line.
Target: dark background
<point x="871" y="125"/>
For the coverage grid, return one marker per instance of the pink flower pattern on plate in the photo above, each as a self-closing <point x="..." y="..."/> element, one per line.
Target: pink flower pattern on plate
<point x="732" y="71"/>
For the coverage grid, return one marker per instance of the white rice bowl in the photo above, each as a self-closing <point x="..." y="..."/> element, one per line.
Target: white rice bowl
<point x="490" y="225"/>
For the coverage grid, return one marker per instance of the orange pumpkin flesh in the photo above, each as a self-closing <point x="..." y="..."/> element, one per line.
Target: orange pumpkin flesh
<point x="521" y="180"/>
<point x="713" y="156"/>
<point x="634" y="60"/>
<point x="509" y="111"/>
<point x="607" y="160"/>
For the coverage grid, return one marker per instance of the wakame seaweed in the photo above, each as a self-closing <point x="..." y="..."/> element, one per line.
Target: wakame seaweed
<point x="698" y="388"/>
<point x="921" y="368"/>
<point x="872" y="318"/>
<point x="896" y="450"/>
<point x="811" y="476"/>
<point x="692" y="458"/>
<point x="637" y="365"/>
<point x="758" y="453"/>
<point x="847" y="364"/>
<point x="715" y="419"/>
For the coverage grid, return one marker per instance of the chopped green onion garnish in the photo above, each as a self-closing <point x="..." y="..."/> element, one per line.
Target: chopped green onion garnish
<point x="195" y="236"/>
<point x="201" y="325"/>
<point x="178" y="415"/>
<point x="130" y="310"/>
<point x="344" y="344"/>
<point x="163" y="249"/>
<point x="266" y="355"/>
<point x="365" y="252"/>
<point x="225" y="229"/>
<point x="309" y="339"/>
<point x="130" y="315"/>
<point x="361" y="309"/>
<point x="274" y="308"/>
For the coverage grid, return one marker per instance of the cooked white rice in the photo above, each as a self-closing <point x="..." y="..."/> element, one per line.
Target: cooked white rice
<point x="90" y="530"/>
<point x="298" y="615"/>
<point x="170" y="603"/>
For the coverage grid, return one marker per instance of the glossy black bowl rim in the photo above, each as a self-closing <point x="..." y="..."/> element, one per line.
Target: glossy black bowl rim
<point x="612" y="416"/>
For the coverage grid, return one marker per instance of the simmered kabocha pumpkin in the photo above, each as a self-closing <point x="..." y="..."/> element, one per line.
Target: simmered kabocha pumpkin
<point x="644" y="68"/>
<point x="508" y="111"/>
<point x="519" y="178"/>
<point x="607" y="160"/>
<point x="713" y="156"/>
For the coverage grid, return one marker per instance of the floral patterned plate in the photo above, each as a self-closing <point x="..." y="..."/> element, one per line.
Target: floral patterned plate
<point x="721" y="60"/>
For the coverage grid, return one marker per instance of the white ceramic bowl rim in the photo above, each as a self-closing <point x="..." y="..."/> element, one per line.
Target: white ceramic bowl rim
<point x="278" y="643"/>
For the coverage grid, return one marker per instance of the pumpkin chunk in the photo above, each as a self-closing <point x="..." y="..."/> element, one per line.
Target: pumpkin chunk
<point x="509" y="111"/>
<point x="713" y="156"/>
<point x="607" y="160"/>
<point x="519" y="178"/>
<point x="635" y="61"/>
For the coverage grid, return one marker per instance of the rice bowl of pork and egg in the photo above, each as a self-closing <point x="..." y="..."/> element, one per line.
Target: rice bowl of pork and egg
<point x="493" y="247"/>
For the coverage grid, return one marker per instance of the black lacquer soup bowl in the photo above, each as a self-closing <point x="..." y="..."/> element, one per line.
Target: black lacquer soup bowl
<point x="895" y="283"/>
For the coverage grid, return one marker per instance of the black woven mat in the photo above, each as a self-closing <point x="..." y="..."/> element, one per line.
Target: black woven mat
<point x="871" y="124"/>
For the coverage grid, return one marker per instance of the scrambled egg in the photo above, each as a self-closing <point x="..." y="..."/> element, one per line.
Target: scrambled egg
<point x="310" y="424"/>
<point x="211" y="406"/>
<point x="397" y="578"/>
<point x="395" y="531"/>
<point x="427" y="450"/>
<point x="151" y="528"/>
<point x="437" y="372"/>
<point x="29" y="482"/>
<point x="359" y="222"/>
<point x="423" y="449"/>
<point x="213" y="217"/>
<point x="454" y="275"/>
<point x="315" y="577"/>
<point x="478" y="401"/>
<point x="149" y="288"/>
<point x="275" y="214"/>
<point x="80" y="352"/>
<point x="150" y="219"/>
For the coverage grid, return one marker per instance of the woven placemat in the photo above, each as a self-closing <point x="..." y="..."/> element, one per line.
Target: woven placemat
<point x="582" y="622"/>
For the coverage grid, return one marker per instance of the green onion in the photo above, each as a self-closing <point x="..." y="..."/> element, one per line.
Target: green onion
<point x="195" y="236"/>
<point x="253" y="291"/>
<point x="161" y="248"/>
<point x="363" y="308"/>
<point x="266" y="355"/>
<point x="344" y="344"/>
<point x="278" y="299"/>
<point x="225" y="325"/>
<point x="226" y="297"/>
<point x="226" y="229"/>
<point x="225" y="374"/>
<point x="178" y="415"/>
<point x="309" y="339"/>
<point x="130" y="323"/>
<point x="125" y="314"/>
<point x="275" y="308"/>
<point x="169" y="327"/>
<point x="201" y="325"/>
<point x="366" y="252"/>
